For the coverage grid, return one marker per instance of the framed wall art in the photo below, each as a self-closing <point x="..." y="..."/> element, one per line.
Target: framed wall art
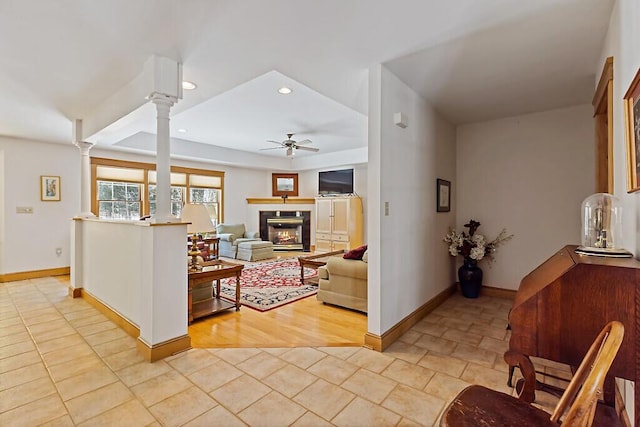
<point x="443" y="190"/>
<point x="284" y="184"/>
<point x="49" y="188"/>
<point x="632" y="133"/>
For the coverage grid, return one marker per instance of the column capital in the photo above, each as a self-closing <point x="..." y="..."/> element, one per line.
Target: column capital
<point x="84" y="146"/>
<point x="162" y="98"/>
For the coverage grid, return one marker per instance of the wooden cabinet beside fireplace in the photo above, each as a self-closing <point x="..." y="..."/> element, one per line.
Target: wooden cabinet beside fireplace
<point x="338" y="223"/>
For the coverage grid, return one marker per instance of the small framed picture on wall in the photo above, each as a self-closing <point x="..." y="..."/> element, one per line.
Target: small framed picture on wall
<point x="50" y="188"/>
<point x="443" y="191"/>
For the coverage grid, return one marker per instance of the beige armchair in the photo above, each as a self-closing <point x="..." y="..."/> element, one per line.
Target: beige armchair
<point x="343" y="282"/>
<point x="230" y="236"/>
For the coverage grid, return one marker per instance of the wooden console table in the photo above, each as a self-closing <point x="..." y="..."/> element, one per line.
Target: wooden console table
<point x="203" y="281"/>
<point x="315" y="261"/>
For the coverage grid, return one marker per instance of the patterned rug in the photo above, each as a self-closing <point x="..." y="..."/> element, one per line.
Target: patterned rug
<point x="268" y="285"/>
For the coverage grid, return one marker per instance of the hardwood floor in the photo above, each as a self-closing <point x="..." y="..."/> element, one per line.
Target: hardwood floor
<point x="304" y="323"/>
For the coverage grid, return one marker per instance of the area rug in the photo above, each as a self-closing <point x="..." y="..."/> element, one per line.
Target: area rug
<point x="268" y="285"/>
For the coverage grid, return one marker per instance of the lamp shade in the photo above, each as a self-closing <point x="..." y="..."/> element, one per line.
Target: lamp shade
<point x="199" y="218"/>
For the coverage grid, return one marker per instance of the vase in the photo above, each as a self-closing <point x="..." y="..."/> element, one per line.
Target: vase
<point x="470" y="277"/>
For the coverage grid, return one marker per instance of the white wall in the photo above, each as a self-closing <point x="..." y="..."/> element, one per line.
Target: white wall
<point x="30" y="240"/>
<point x="623" y="43"/>
<point x="529" y="174"/>
<point x="409" y="264"/>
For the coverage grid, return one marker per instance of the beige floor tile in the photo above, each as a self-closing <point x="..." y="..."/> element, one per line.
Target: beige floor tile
<point x="488" y="331"/>
<point x="405" y="351"/>
<point x="236" y="355"/>
<point x="98" y="401"/>
<point x="333" y="369"/>
<point x="9" y="321"/>
<point x="61" y="332"/>
<point x="22" y="375"/>
<point x="75" y="367"/>
<point x="444" y="364"/>
<point x="462" y="337"/>
<point x="497" y="346"/>
<point x="240" y="393"/>
<point x="60" y="343"/>
<point x="84" y="313"/>
<point x="95" y="328"/>
<point x="123" y="359"/>
<point x="217" y="416"/>
<point x="445" y="387"/>
<point x="324" y="399"/>
<point x="159" y="388"/>
<point x="19" y="361"/>
<point x="143" y="371"/>
<point x="261" y="365"/>
<point x="47" y="317"/>
<point x="182" y="407"/>
<point x="7" y="331"/>
<point x="410" y="336"/>
<point x="116" y="346"/>
<point x="67" y="354"/>
<point x="369" y="385"/>
<point x="63" y="421"/>
<point x="15" y="349"/>
<point x="309" y="419"/>
<point x="339" y="352"/>
<point x="192" y="360"/>
<point x="129" y="414"/>
<point x="413" y="404"/>
<point x="435" y="344"/>
<point x="415" y="376"/>
<point x="455" y="323"/>
<point x="425" y="327"/>
<point x="106" y="336"/>
<point x="85" y="382"/>
<point x="16" y="338"/>
<point x="276" y="351"/>
<point x="289" y="380"/>
<point x="214" y="376"/>
<point x="371" y="360"/>
<point x="25" y="393"/>
<point x="406" y="422"/>
<point x="362" y="413"/>
<point x="41" y="328"/>
<point x="262" y="412"/>
<point x="491" y="378"/>
<point x="89" y="318"/>
<point x="476" y="355"/>
<point x="35" y="413"/>
<point x="303" y="357"/>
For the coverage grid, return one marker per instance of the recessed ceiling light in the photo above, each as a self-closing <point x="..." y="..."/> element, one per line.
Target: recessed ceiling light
<point x="182" y="130"/>
<point x="285" y="90"/>
<point x="188" y="85"/>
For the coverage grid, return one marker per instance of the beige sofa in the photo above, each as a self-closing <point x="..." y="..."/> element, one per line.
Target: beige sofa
<point x="343" y="282"/>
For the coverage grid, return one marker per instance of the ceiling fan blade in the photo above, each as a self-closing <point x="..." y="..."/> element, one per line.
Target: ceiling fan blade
<point x="308" y="149"/>
<point x="272" y="148"/>
<point x="304" y="141"/>
<point x="275" y="142"/>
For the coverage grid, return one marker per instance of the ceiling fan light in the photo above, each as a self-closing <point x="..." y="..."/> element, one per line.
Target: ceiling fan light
<point x="285" y="90"/>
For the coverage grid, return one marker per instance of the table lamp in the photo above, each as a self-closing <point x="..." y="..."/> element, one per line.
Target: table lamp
<point x="200" y="222"/>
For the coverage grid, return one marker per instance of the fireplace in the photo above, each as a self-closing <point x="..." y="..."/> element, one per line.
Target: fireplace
<point x="287" y="230"/>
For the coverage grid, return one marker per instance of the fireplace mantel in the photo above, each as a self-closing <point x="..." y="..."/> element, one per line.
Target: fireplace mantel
<point x="280" y="200"/>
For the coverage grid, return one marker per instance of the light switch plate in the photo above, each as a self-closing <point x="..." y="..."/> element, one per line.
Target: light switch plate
<point x="24" y="209"/>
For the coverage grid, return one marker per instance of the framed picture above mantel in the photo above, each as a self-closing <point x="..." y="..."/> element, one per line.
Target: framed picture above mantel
<point x="284" y="184"/>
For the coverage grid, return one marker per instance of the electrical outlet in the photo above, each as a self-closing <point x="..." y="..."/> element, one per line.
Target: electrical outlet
<point x="58" y="251"/>
<point x="24" y="210"/>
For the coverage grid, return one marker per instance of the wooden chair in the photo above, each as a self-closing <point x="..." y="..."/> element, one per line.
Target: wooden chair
<point x="480" y="406"/>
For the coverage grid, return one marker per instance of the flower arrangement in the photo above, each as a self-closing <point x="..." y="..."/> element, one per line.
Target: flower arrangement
<point x="474" y="246"/>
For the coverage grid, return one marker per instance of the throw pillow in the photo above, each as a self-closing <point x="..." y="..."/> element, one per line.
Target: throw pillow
<point x="356" y="253"/>
<point x="365" y="257"/>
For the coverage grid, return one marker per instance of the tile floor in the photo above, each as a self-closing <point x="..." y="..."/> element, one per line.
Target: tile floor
<point x="63" y="363"/>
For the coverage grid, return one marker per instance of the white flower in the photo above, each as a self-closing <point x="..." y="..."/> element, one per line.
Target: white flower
<point x="453" y="249"/>
<point x="477" y="253"/>
<point x="478" y="239"/>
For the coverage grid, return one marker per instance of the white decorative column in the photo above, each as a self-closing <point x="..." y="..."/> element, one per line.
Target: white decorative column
<point x="163" y="104"/>
<point x="85" y="170"/>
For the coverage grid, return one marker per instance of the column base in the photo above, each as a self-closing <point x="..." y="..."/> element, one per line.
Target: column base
<point x="159" y="351"/>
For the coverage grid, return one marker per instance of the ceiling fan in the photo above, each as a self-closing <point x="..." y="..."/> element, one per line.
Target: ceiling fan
<point x="292" y="145"/>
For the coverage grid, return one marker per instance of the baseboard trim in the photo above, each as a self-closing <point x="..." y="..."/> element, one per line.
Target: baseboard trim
<point x="498" y="292"/>
<point x="113" y="315"/>
<point x="155" y="352"/>
<point x="75" y="292"/>
<point x="380" y="343"/>
<point x="25" y="275"/>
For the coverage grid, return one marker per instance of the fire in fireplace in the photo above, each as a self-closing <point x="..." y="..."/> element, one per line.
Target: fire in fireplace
<point x="285" y="233"/>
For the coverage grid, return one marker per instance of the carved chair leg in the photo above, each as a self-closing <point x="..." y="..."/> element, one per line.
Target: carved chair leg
<point x="527" y="386"/>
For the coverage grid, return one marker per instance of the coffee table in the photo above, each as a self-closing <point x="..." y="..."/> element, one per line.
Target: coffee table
<point x="314" y="261"/>
<point x="212" y="303"/>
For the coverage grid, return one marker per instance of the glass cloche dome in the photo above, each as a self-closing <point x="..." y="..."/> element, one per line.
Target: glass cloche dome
<point x="602" y="226"/>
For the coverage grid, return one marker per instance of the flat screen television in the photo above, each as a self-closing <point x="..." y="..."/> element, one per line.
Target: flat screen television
<point x="335" y="182"/>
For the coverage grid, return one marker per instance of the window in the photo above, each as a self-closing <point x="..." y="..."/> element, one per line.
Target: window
<point x="118" y="200"/>
<point x="127" y="190"/>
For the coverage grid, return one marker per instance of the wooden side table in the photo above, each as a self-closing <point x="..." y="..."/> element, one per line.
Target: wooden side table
<point x="211" y="302"/>
<point x="315" y="261"/>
